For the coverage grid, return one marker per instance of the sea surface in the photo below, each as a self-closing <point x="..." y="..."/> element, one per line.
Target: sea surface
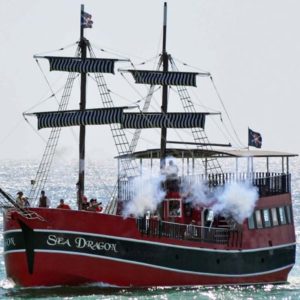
<point x="16" y="176"/>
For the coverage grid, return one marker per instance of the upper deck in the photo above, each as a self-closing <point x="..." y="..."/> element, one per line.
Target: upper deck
<point x="269" y="178"/>
<point x="205" y="153"/>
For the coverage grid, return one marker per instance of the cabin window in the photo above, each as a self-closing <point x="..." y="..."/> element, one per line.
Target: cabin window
<point x="251" y="223"/>
<point x="274" y="216"/>
<point x="208" y="217"/>
<point x="282" y="216"/>
<point x="289" y="215"/>
<point x="258" y="218"/>
<point x="266" y="216"/>
<point x="174" y="208"/>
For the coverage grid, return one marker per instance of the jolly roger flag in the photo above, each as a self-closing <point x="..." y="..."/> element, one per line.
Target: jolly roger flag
<point x="86" y="20"/>
<point x="254" y="139"/>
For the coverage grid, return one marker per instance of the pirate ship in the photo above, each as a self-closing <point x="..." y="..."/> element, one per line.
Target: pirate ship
<point x="185" y="239"/>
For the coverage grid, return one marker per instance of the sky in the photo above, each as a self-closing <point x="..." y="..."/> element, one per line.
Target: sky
<point x="251" y="48"/>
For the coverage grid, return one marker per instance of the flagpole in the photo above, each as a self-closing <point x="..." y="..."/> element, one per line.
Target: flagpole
<point x="248" y="139"/>
<point x="81" y="16"/>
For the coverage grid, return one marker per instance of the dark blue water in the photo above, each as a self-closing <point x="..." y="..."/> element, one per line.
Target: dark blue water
<point x="16" y="175"/>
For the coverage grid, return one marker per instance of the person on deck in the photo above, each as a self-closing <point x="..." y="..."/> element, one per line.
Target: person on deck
<point x="84" y="203"/>
<point x="191" y="230"/>
<point x="172" y="180"/>
<point x="44" y="200"/>
<point x="171" y="171"/>
<point x="20" y="200"/>
<point x="62" y="204"/>
<point x="94" y="206"/>
<point x="26" y="202"/>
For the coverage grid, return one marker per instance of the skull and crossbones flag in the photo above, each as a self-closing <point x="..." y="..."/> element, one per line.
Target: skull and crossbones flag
<point x="254" y="139"/>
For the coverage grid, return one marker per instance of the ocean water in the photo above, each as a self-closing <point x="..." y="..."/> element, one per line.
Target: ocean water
<point x="16" y="175"/>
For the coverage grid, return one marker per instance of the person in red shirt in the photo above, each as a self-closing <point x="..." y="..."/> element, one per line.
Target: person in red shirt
<point x="62" y="205"/>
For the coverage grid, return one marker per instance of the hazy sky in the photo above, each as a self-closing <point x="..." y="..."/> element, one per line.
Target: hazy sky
<point x="251" y="47"/>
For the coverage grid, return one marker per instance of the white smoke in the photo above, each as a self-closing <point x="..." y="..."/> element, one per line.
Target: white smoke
<point x="197" y="194"/>
<point x="236" y="199"/>
<point x="147" y="193"/>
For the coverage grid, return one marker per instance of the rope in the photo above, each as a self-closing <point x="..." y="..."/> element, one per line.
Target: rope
<point x="187" y="65"/>
<point x="60" y="49"/>
<point x="34" y="129"/>
<point x="125" y="56"/>
<point x="136" y="90"/>
<point x="222" y="103"/>
<point x="11" y="132"/>
<point x="156" y="129"/>
<point x="201" y="105"/>
<point x="209" y="109"/>
<point x="47" y="81"/>
<point x="148" y="60"/>
<point x="231" y="124"/>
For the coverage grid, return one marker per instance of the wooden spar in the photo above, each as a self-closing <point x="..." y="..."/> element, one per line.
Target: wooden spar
<point x="82" y="106"/>
<point x="199" y="144"/>
<point x="164" y="107"/>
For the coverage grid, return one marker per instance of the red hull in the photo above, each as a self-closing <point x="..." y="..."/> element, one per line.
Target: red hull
<point x="60" y="269"/>
<point x="119" y="255"/>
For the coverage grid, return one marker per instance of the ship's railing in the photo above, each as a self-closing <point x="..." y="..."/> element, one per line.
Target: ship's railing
<point x="267" y="184"/>
<point x="157" y="228"/>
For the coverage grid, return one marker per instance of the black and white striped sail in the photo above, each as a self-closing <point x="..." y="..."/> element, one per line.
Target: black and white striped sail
<point x="165" y="78"/>
<point x="159" y="120"/>
<point x="103" y="116"/>
<point x="77" y="64"/>
<point x="99" y="116"/>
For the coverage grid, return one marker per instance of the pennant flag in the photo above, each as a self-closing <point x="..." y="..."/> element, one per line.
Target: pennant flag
<point x="86" y="20"/>
<point x="254" y="139"/>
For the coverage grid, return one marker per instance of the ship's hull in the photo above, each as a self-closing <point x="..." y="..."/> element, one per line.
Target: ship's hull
<point x="73" y="248"/>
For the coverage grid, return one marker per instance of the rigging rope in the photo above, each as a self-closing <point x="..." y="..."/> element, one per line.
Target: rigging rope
<point x="231" y="124"/>
<point x="11" y="132"/>
<point x="158" y="107"/>
<point x="46" y="79"/>
<point x="213" y="120"/>
<point x="187" y="65"/>
<point x="34" y="129"/>
<point x="60" y="49"/>
<point x="222" y="103"/>
<point x="110" y="52"/>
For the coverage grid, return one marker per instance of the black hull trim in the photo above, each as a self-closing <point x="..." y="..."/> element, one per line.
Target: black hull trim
<point x="170" y="257"/>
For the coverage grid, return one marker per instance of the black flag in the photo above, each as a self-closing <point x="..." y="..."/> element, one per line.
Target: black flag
<point x="254" y="139"/>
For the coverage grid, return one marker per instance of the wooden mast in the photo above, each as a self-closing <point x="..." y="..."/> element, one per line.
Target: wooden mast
<point x="82" y="106"/>
<point x="164" y="107"/>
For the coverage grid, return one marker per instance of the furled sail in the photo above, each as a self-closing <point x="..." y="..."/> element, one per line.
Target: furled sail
<point x="166" y="78"/>
<point x="77" y="64"/>
<point x="102" y="116"/>
<point x="99" y="116"/>
<point x="159" y="120"/>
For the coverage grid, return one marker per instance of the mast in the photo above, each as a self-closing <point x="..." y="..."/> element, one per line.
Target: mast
<point x="82" y="106"/>
<point x="164" y="106"/>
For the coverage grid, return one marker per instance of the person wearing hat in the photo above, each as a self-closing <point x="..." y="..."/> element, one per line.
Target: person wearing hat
<point x="94" y="206"/>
